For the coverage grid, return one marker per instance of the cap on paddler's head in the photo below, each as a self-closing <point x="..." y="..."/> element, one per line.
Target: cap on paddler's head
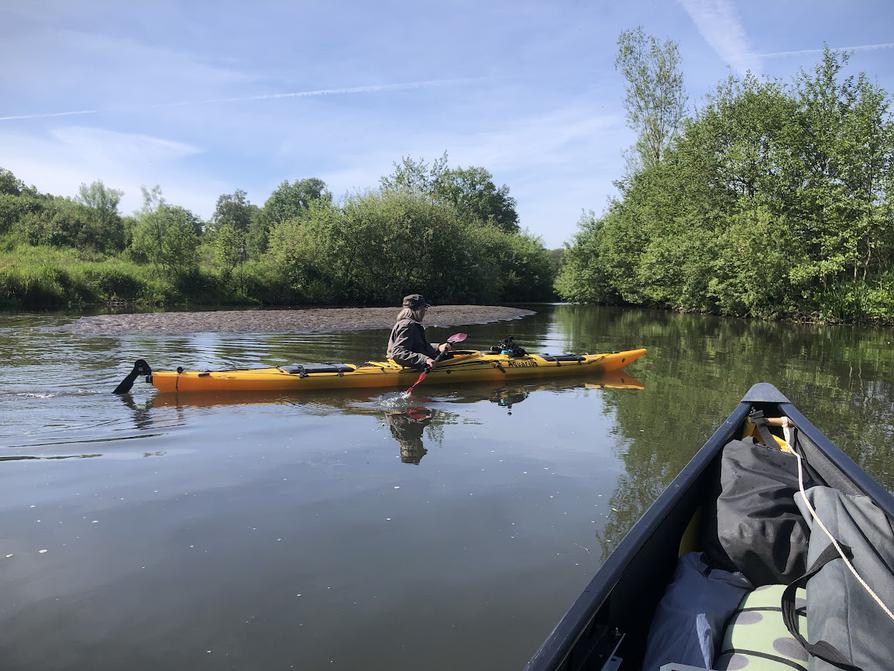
<point x="415" y="302"/>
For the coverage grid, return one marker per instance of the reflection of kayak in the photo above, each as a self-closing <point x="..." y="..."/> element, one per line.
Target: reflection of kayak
<point x="462" y="366"/>
<point x="360" y="401"/>
<point x="608" y="626"/>
<point x="616" y="379"/>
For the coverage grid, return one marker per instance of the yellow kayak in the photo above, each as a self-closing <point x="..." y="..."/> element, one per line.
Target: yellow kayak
<point x="461" y="366"/>
<point x="356" y="401"/>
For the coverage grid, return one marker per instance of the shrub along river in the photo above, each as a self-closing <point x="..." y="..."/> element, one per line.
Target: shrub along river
<point x="345" y="530"/>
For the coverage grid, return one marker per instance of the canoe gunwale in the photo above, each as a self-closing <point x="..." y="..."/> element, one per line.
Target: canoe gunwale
<point x="842" y="463"/>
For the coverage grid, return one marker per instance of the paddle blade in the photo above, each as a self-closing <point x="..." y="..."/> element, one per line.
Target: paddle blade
<point x="457" y="337"/>
<point x="416" y="383"/>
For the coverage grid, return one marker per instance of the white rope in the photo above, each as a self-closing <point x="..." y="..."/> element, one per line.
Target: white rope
<point x="831" y="537"/>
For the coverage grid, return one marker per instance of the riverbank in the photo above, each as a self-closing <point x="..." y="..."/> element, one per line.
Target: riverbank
<point x="312" y="320"/>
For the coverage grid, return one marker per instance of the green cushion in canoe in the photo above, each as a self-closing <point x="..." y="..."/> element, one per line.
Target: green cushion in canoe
<point x="756" y="638"/>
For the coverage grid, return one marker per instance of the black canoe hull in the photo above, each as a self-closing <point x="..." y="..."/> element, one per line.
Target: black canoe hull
<point x="613" y="613"/>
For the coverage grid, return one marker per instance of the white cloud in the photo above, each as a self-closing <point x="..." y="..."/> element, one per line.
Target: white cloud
<point x="60" y="160"/>
<point x="718" y="23"/>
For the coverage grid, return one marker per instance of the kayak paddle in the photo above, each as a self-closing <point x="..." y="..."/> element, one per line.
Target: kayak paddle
<point x="456" y="337"/>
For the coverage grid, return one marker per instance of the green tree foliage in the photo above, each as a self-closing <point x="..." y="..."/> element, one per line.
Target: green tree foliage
<point x="471" y="191"/>
<point x="655" y="98"/>
<point x="372" y="249"/>
<point x="107" y="227"/>
<point x="583" y="276"/>
<point x="152" y="199"/>
<point x="366" y="249"/>
<point x="168" y="237"/>
<point x="524" y="271"/>
<point x="288" y="201"/>
<point x="291" y="199"/>
<point x="61" y="222"/>
<point x="475" y="196"/>
<point x="773" y="201"/>
<point x="230" y="230"/>
<point x="13" y="208"/>
<point x="415" y="176"/>
<point x="89" y="222"/>
<point x="376" y="247"/>
<point x="10" y="185"/>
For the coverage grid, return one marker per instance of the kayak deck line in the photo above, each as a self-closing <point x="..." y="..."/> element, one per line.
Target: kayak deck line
<point x="462" y="366"/>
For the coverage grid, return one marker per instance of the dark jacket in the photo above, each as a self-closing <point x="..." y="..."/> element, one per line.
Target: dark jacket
<point x="408" y="345"/>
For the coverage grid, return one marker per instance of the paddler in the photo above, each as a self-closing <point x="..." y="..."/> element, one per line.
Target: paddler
<point x="408" y="345"/>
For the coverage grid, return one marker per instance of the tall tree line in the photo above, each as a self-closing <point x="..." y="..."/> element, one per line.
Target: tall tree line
<point x="772" y="200"/>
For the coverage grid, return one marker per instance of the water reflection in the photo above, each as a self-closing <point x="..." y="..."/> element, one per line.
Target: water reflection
<point x="507" y="397"/>
<point x="410" y="421"/>
<point x="407" y="427"/>
<point x="503" y="493"/>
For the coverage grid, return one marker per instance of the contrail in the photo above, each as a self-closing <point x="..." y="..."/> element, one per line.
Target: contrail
<point x="804" y="52"/>
<point x="377" y="88"/>
<point x="47" y="115"/>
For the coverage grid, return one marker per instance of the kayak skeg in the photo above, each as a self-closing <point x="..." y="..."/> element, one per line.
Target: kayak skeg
<point x="461" y="366"/>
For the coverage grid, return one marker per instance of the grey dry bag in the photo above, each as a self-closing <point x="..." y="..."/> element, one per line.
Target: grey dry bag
<point x="847" y="628"/>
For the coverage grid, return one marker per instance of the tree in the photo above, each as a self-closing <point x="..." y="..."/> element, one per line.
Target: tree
<point x="106" y="222"/>
<point x="233" y="209"/>
<point x="415" y="176"/>
<point x="655" y="98"/>
<point x="475" y="196"/>
<point x="168" y="236"/>
<point x="230" y="229"/>
<point x="290" y="199"/>
<point x="471" y="191"/>
<point x="10" y="184"/>
<point x="773" y="200"/>
<point x="846" y="166"/>
<point x="152" y="199"/>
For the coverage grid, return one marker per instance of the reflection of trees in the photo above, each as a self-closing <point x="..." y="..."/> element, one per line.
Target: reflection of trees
<point x="697" y="369"/>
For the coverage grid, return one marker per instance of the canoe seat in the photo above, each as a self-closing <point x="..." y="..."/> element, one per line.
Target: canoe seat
<point x="302" y="371"/>
<point x="756" y="638"/>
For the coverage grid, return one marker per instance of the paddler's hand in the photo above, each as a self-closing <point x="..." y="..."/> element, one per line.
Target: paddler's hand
<point x="445" y="347"/>
<point x="429" y="362"/>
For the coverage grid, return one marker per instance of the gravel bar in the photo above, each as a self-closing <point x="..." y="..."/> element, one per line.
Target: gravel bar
<point x="314" y="320"/>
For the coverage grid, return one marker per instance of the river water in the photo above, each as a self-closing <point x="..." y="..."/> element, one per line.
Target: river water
<point x="345" y="530"/>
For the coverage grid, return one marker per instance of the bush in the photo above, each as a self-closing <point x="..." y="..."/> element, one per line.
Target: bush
<point x="35" y="286"/>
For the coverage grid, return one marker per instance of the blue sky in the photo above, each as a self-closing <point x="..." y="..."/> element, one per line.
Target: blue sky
<point x="204" y="98"/>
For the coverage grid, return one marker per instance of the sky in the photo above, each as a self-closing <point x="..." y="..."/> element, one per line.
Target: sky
<point x="203" y="98"/>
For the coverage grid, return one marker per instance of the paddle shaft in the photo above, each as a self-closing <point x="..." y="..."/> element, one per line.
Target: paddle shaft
<point x="425" y="372"/>
<point x="456" y="337"/>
